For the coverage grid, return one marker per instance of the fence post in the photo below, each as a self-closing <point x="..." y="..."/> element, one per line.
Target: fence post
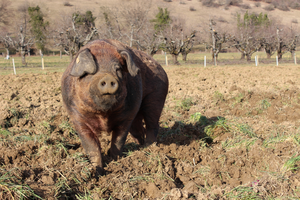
<point x="204" y="61"/>
<point x="277" y="60"/>
<point x="295" y="59"/>
<point x="215" y="59"/>
<point x="255" y="60"/>
<point x="14" y="66"/>
<point x="43" y="64"/>
<point x="166" y="57"/>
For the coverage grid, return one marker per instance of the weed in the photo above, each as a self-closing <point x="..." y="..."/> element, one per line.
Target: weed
<point x="80" y="157"/>
<point x="47" y="126"/>
<point x="290" y="164"/>
<point x="86" y="196"/>
<point x="218" y="96"/>
<point x="66" y="126"/>
<point x="238" y="141"/>
<point x="185" y="104"/>
<point x="62" y="187"/>
<point x="246" y="130"/>
<point x="242" y="192"/>
<point x="12" y="185"/>
<point x="199" y="118"/>
<point x="220" y="125"/>
<point x="204" y="170"/>
<point x="264" y="104"/>
<point x="4" y="132"/>
<point x="239" y="98"/>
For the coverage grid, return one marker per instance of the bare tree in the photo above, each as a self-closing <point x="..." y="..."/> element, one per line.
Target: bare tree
<point x="128" y="23"/>
<point x="21" y="39"/>
<point x="187" y="45"/>
<point x="135" y="16"/>
<point x="219" y="39"/>
<point x="5" y="12"/>
<point x="111" y="27"/>
<point x="175" y="39"/>
<point x="148" y="39"/>
<point x="287" y="39"/>
<point x="268" y="38"/>
<point x="7" y="42"/>
<point x="74" y="31"/>
<point x="247" y="40"/>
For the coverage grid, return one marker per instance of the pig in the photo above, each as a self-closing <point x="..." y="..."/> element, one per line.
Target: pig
<point x="110" y="87"/>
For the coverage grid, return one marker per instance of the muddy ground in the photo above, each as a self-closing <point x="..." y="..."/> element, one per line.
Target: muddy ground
<point x="225" y="133"/>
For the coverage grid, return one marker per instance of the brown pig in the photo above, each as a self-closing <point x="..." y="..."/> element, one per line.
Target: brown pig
<point x="113" y="88"/>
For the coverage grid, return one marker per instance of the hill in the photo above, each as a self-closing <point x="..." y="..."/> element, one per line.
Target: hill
<point x="192" y="11"/>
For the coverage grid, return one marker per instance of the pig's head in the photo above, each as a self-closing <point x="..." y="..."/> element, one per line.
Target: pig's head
<point x="101" y="76"/>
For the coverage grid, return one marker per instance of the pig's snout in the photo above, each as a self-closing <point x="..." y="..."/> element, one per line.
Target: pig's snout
<point x="108" y="85"/>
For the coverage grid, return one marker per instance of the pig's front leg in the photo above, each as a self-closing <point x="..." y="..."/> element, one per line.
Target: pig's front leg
<point x="118" y="140"/>
<point x="91" y="144"/>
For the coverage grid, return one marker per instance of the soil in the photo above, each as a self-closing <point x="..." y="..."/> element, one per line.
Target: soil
<point x="225" y="133"/>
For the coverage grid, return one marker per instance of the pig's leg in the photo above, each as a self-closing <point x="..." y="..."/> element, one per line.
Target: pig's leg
<point x="151" y="109"/>
<point x="137" y="130"/>
<point x="91" y="144"/>
<point x="117" y="141"/>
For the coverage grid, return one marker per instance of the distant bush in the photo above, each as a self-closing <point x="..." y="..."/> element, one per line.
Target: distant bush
<point x="269" y="7"/>
<point x="192" y="8"/>
<point x="295" y="5"/>
<point x="233" y="2"/>
<point x="209" y="3"/>
<point x="281" y="5"/>
<point x="295" y="21"/>
<point x="182" y="2"/>
<point x="67" y="4"/>
<point x="222" y="19"/>
<point x="245" y="6"/>
<point x="283" y="8"/>
<point x="257" y="4"/>
<point x="168" y="0"/>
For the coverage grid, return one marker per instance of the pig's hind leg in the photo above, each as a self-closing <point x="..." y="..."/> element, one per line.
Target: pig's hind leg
<point x="137" y="129"/>
<point x="151" y="109"/>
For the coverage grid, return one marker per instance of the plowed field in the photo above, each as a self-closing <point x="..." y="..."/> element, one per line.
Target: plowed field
<point x="225" y="133"/>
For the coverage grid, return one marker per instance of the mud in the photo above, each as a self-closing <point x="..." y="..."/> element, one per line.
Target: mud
<point x="225" y="133"/>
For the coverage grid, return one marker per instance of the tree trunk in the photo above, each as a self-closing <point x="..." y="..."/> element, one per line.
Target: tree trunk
<point x="268" y="52"/>
<point x="279" y="54"/>
<point x="184" y="55"/>
<point x="248" y="57"/>
<point x="243" y="56"/>
<point x="175" y="61"/>
<point x="71" y="56"/>
<point x="213" y="56"/>
<point x="22" y="51"/>
<point x="7" y="52"/>
<point x="292" y="54"/>
<point x="152" y="53"/>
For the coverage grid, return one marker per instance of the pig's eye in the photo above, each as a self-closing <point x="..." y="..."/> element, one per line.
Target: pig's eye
<point x="119" y="72"/>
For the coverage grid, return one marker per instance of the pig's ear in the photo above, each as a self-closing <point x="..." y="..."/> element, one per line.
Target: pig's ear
<point x="131" y="67"/>
<point x="84" y="64"/>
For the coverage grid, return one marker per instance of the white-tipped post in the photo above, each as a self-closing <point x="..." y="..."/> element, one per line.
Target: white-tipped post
<point x="277" y="60"/>
<point x="255" y="60"/>
<point x="204" y="61"/>
<point x="166" y="57"/>
<point x="43" y="66"/>
<point x="14" y="66"/>
<point x="295" y="58"/>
